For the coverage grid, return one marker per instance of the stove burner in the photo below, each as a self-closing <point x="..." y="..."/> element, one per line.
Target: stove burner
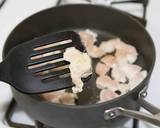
<point x="10" y="111"/>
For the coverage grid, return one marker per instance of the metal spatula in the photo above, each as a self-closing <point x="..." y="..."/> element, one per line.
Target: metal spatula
<point x="38" y="66"/>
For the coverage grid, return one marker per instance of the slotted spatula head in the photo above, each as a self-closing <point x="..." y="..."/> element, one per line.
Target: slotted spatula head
<point x="38" y="66"/>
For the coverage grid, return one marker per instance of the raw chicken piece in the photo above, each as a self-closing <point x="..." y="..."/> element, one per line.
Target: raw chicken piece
<point x="131" y="70"/>
<point x="88" y="38"/>
<point x="124" y="57"/>
<point x="144" y="73"/>
<point x="109" y="60"/>
<point x="137" y="79"/>
<point x="118" y="75"/>
<point x="109" y="46"/>
<point x="93" y="34"/>
<point x="53" y="96"/>
<point x="101" y="69"/>
<point x="123" y="88"/>
<point x="80" y="66"/>
<point x="95" y="52"/>
<point x="68" y="98"/>
<point x="105" y="82"/>
<point x="60" y="97"/>
<point x="106" y="95"/>
<point x="120" y="44"/>
<point x="126" y="53"/>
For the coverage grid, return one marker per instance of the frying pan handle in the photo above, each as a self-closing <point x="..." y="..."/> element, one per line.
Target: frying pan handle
<point x="153" y="118"/>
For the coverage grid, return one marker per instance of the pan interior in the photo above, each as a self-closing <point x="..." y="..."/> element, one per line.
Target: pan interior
<point x="106" y="22"/>
<point x="90" y="94"/>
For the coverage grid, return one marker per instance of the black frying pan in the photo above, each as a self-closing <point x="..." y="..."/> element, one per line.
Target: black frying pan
<point x="107" y="22"/>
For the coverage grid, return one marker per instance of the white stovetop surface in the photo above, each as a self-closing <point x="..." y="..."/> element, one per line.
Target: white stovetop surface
<point x="14" y="11"/>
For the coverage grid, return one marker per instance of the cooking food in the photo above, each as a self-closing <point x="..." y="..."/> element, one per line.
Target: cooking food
<point x="61" y="97"/>
<point x="105" y="82"/>
<point x="125" y="53"/>
<point x="80" y="67"/>
<point x="116" y="70"/>
<point x="95" y="52"/>
<point x="109" y="60"/>
<point x="110" y="45"/>
<point x="130" y="70"/>
<point x="106" y="95"/>
<point x="101" y="69"/>
<point x="123" y="88"/>
<point x="137" y="79"/>
<point x="88" y="39"/>
<point x="118" y="75"/>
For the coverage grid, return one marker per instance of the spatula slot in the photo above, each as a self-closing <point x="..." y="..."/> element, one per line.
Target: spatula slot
<point x="55" y="74"/>
<point x="46" y="59"/>
<point x="66" y="80"/>
<point x="45" y="72"/>
<point x="46" y="54"/>
<point x="51" y="49"/>
<point x="49" y="66"/>
<point x="65" y="75"/>
<point x="52" y="44"/>
<point x="45" y="63"/>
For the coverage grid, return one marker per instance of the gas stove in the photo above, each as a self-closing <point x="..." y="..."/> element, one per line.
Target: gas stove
<point x="135" y="8"/>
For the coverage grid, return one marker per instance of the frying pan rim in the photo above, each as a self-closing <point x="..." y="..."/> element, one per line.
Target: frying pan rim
<point x="96" y="6"/>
